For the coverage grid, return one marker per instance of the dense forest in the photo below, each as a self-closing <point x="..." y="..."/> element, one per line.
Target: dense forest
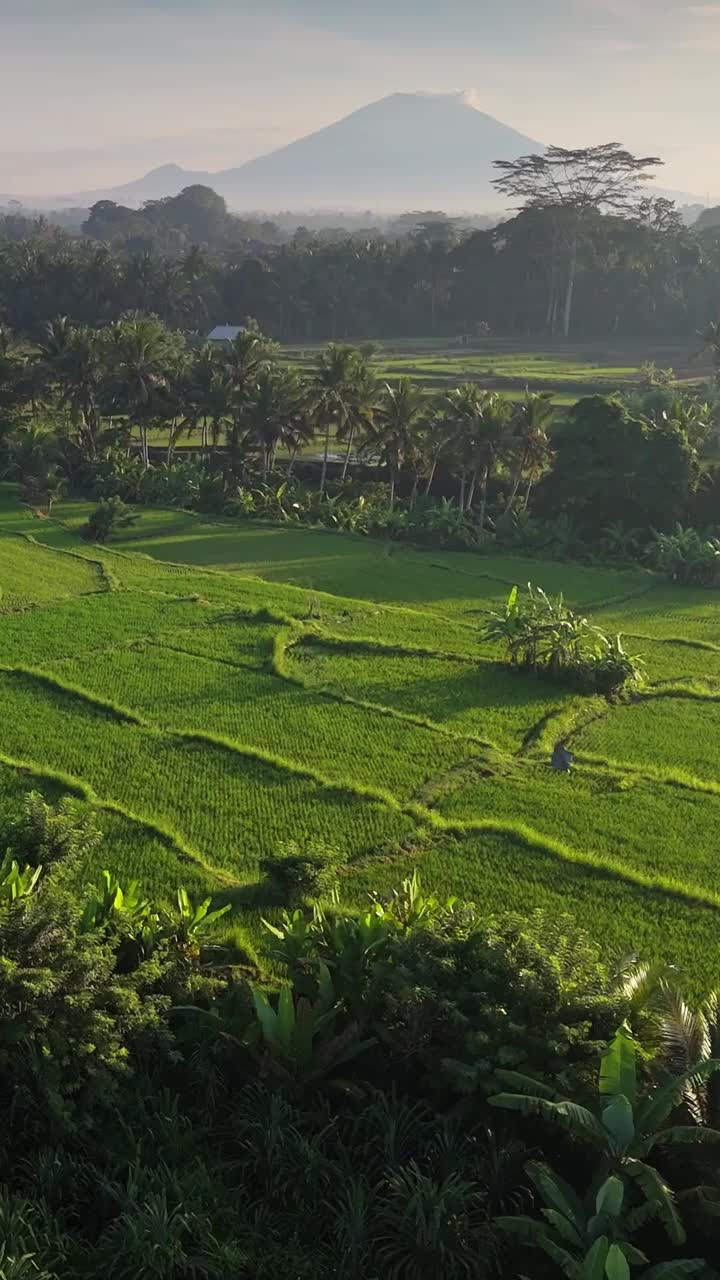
<point x="194" y="264"/>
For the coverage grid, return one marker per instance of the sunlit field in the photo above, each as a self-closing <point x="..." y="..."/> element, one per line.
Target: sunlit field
<point x="215" y="689"/>
<point x="566" y="371"/>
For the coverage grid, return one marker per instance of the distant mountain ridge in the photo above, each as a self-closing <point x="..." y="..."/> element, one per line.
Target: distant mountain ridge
<point x="405" y="151"/>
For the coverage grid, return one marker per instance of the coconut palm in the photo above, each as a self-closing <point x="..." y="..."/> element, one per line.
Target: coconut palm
<point x="243" y="358"/>
<point x="71" y="356"/>
<point x="434" y="437"/>
<point x="711" y="338"/>
<point x="207" y="393"/>
<point x="360" y="401"/>
<point x="393" y="435"/>
<point x="332" y="386"/>
<point x="34" y="456"/>
<point x="692" y="1035"/>
<point x="272" y="413"/>
<point x="531" y="445"/>
<point x="480" y="434"/>
<point x="142" y="352"/>
<point x="12" y="368"/>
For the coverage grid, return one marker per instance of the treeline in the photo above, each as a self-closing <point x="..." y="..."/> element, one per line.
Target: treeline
<point x="611" y="476"/>
<point x="411" y="1090"/>
<point x="194" y="265"/>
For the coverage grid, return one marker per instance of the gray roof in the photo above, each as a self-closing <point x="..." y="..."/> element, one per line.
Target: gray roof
<point x="225" y="332"/>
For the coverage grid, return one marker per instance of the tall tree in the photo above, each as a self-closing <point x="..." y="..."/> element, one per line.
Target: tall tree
<point x="480" y="422"/>
<point x="142" y="354"/>
<point x="34" y="456"/>
<point x="244" y="357"/>
<point x="361" y="401"/>
<point x="272" y="413"/>
<point x="530" y="442"/>
<point x="394" y="433"/>
<point x="208" y="396"/>
<point x="575" y="184"/>
<point x="332" y="387"/>
<point x="71" y="356"/>
<point x="712" y="344"/>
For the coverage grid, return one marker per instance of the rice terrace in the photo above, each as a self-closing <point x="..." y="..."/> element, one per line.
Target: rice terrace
<point x="217" y="688"/>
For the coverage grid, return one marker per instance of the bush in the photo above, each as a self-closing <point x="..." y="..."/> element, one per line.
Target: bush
<point x="109" y="515"/>
<point x="44" y="833"/>
<point x="310" y="872"/>
<point x="543" y="635"/>
<point x="687" y="557"/>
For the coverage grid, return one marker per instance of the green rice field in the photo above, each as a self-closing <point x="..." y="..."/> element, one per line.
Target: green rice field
<point x="214" y="689"/>
<point x="565" y="370"/>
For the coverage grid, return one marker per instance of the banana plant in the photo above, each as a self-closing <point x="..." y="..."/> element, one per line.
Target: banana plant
<point x="586" y="1237"/>
<point x="627" y="1130"/>
<point x="14" y="882"/>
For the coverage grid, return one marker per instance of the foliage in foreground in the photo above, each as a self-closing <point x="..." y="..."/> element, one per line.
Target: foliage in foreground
<point x="543" y="635"/>
<point x="180" y="1116"/>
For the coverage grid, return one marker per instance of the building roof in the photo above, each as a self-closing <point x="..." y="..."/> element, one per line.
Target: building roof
<point x="225" y="332"/>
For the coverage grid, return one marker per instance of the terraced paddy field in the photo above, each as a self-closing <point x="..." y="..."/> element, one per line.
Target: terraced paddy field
<point x="215" y="689"/>
<point x="566" y="370"/>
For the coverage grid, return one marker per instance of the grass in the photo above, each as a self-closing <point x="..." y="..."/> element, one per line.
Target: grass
<point x="606" y="816"/>
<point x="479" y="698"/>
<point x="215" y="689"/>
<point x="31" y="575"/>
<point x="660" y="732"/>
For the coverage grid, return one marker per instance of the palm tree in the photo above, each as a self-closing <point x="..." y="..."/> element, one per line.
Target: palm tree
<point x="693" y="1036"/>
<point x="711" y="337"/>
<point x="243" y="358"/>
<point x="332" y="385"/>
<point x="394" y="433"/>
<point x="531" y="445"/>
<point x="142" y="353"/>
<point x="196" y="271"/>
<point x="480" y="425"/>
<point x="12" y="365"/>
<point x="71" y="357"/>
<point x="208" y="395"/>
<point x="300" y="430"/>
<point x="140" y="280"/>
<point x="361" y="399"/>
<point x="272" y="412"/>
<point x="34" y="456"/>
<point x="433" y="438"/>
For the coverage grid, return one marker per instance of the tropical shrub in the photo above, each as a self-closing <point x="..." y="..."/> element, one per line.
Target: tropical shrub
<point x="44" y="833"/>
<point x="165" y="1116"/>
<point x="686" y="556"/>
<point x="541" y="634"/>
<point x="298" y="872"/>
<point x="110" y="515"/>
<point x="627" y="1191"/>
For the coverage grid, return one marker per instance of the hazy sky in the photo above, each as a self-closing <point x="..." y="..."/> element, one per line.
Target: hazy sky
<point x="97" y="91"/>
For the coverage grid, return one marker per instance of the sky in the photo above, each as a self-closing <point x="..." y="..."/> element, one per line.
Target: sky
<point x="96" y="92"/>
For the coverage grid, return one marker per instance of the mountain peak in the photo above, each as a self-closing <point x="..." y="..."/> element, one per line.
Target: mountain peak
<point x="404" y="151"/>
